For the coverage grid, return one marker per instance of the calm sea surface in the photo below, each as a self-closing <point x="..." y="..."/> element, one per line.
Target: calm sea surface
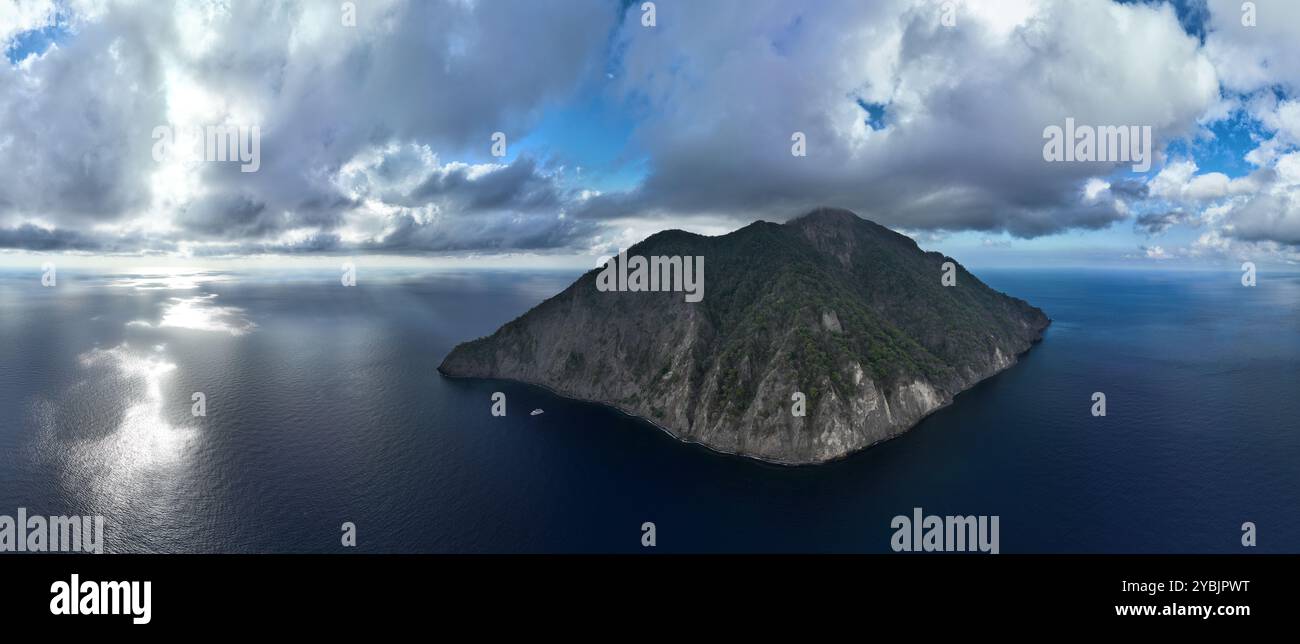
<point x="324" y="406"/>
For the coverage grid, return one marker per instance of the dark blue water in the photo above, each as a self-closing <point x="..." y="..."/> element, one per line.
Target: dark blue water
<point x="324" y="406"/>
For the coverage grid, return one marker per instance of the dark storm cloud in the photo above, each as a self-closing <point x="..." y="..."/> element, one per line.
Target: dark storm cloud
<point x="1155" y="223"/>
<point x="320" y="243"/>
<point x="231" y="216"/>
<point x="36" y="238"/>
<point x="492" y="233"/>
<point x="518" y="186"/>
<point x="1130" y="189"/>
<point x="31" y="237"/>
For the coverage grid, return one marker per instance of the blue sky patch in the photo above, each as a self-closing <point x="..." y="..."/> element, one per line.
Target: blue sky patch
<point x="35" y="42"/>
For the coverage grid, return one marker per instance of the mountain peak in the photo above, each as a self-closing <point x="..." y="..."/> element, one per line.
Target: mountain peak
<point x="826" y="214"/>
<point x="830" y="309"/>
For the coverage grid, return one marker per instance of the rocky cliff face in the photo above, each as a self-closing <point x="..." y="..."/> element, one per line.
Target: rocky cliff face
<point x="845" y="312"/>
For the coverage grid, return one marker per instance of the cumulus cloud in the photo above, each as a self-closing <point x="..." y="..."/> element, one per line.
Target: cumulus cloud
<point x="19" y="17"/>
<point x="964" y="108"/>
<point x="77" y="145"/>
<point x="1254" y="47"/>
<point x="375" y="137"/>
<point x="1154" y="252"/>
<point x="1155" y="223"/>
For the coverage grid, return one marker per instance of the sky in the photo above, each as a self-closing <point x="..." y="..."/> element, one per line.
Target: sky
<point x="552" y="133"/>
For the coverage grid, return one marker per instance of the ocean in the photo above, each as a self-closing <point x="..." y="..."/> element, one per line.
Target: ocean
<point x="324" y="406"/>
